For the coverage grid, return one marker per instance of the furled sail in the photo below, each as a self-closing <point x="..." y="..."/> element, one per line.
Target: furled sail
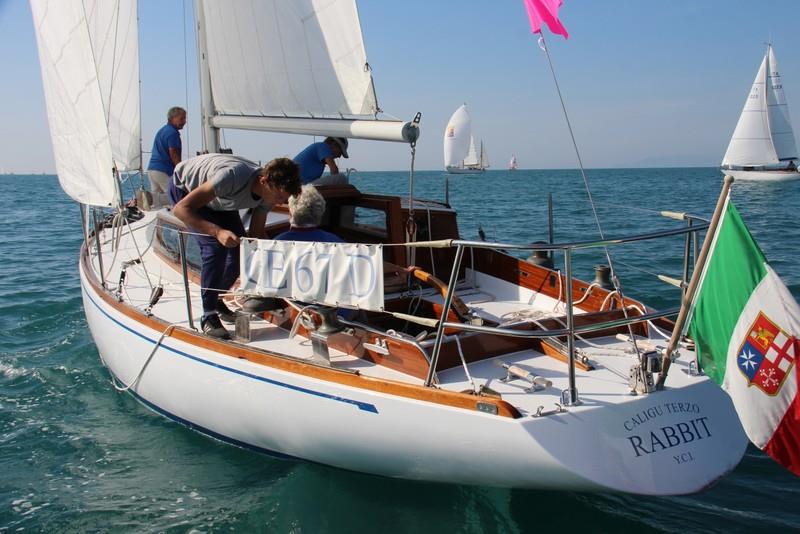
<point x="779" y="121"/>
<point x="89" y="57"/>
<point x="763" y="135"/>
<point x="457" y="137"/>
<point x="484" y="157"/>
<point x="272" y="62"/>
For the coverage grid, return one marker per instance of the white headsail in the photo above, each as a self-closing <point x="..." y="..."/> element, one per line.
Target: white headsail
<point x="472" y="154"/>
<point x="763" y="135"/>
<point x="296" y="66"/>
<point x="457" y="137"/>
<point x="779" y="121"/>
<point x="89" y="57"/>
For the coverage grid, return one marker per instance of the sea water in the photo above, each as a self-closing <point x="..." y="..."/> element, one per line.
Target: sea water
<point x="77" y="456"/>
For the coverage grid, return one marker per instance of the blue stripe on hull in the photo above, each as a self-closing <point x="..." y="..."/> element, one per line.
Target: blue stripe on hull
<point x="365" y="406"/>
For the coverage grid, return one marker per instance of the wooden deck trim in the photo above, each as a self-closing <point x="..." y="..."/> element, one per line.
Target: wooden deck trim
<point x="268" y="359"/>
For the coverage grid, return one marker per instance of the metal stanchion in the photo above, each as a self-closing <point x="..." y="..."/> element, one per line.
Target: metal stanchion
<point x="97" y="228"/>
<point x="571" y="397"/>
<point x="182" y="250"/>
<point x="448" y="299"/>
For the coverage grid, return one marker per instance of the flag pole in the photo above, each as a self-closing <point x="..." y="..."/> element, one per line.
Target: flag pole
<point x="688" y="297"/>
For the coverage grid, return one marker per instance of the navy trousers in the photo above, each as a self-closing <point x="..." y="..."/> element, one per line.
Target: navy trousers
<point x="220" y="267"/>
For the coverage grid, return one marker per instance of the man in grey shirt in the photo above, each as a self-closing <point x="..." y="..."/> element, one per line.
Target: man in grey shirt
<point x="208" y="191"/>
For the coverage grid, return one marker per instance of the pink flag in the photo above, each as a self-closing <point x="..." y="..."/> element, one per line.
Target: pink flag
<point x="545" y="11"/>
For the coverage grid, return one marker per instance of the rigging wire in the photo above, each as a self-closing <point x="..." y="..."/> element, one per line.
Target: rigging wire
<point x="614" y="278"/>
<point x="185" y="75"/>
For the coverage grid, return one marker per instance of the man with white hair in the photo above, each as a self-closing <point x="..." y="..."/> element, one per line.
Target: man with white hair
<point x="306" y="210"/>
<point x="166" y="155"/>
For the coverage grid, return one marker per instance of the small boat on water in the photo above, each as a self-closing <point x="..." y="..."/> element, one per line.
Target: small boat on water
<point x="763" y="145"/>
<point x="460" y="153"/>
<point x="512" y="164"/>
<point x="460" y="363"/>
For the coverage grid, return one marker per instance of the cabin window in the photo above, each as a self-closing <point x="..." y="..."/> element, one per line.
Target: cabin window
<point x="367" y="220"/>
<point x="167" y="244"/>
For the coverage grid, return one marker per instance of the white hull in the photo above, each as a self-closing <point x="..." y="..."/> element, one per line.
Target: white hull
<point x="588" y="448"/>
<point x="763" y="176"/>
<point x="461" y="170"/>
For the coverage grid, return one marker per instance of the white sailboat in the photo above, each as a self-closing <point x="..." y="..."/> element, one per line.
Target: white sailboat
<point x="460" y="154"/>
<point x="494" y="371"/>
<point x="763" y="144"/>
<point x="512" y="164"/>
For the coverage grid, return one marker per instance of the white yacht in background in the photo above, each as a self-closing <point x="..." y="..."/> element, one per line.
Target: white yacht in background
<point x="460" y="154"/>
<point x="512" y="164"/>
<point x="763" y="145"/>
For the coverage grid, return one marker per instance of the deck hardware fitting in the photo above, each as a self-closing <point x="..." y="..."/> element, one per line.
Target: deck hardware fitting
<point x="487" y="407"/>
<point x="540" y="411"/>
<point x="514" y="372"/>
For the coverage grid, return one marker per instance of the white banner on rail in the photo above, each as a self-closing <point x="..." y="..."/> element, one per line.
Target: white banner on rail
<point x="336" y="274"/>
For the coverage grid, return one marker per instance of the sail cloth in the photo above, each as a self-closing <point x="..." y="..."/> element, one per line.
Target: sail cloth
<point x="745" y="324"/>
<point x="336" y="274"/>
<point x="88" y="53"/>
<point x="545" y="11"/>
<point x="763" y="135"/>
<point x="457" y="137"/>
<point x="779" y="122"/>
<point x="288" y="58"/>
<point x="472" y="154"/>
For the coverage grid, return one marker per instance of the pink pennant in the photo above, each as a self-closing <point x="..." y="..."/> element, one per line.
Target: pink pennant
<point x="545" y="11"/>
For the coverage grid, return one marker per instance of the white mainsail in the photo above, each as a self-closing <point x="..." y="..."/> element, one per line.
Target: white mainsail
<point x="288" y="58"/>
<point x="763" y="135"/>
<point x="89" y="57"/>
<point x="294" y="66"/>
<point x="457" y="137"/>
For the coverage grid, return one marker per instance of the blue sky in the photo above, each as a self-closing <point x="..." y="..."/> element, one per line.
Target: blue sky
<point x="647" y="83"/>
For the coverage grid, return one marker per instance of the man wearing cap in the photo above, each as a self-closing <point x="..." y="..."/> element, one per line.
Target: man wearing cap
<point x="314" y="157"/>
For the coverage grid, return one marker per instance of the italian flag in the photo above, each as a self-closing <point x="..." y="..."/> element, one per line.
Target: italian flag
<point x="745" y="325"/>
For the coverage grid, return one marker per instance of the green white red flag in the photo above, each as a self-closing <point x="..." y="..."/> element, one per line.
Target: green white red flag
<point x="746" y="324"/>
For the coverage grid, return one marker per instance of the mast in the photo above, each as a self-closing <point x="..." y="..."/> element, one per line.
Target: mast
<point x="207" y="111"/>
<point x="767" y="90"/>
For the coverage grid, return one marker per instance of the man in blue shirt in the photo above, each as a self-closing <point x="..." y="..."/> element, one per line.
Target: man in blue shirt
<point x="166" y="155"/>
<point x="314" y="157"/>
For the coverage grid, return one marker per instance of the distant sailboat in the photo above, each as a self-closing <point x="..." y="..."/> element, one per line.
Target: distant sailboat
<point x="512" y="165"/>
<point x="763" y="145"/>
<point x="460" y="154"/>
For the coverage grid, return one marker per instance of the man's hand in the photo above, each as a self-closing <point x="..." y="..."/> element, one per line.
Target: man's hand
<point x="227" y="238"/>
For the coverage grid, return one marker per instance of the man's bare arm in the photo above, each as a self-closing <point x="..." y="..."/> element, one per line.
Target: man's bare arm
<point x="174" y="155"/>
<point x="331" y="163"/>
<point x="257" y="222"/>
<point x="186" y="211"/>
